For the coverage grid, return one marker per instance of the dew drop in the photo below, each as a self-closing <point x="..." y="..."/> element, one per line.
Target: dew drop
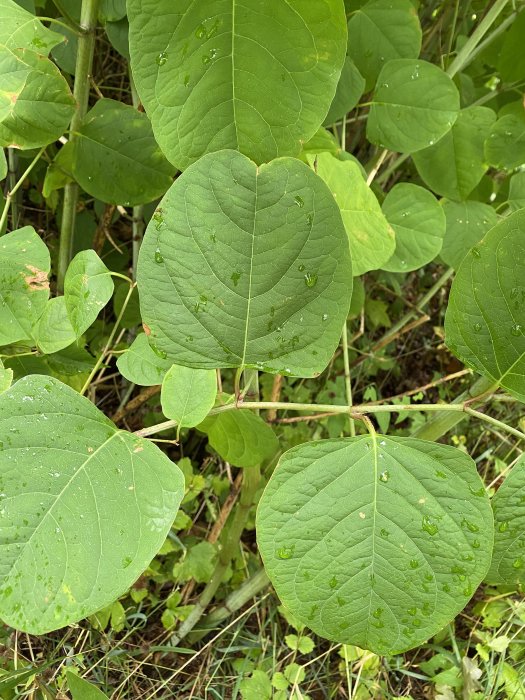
<point x="162" y="58"/>
<point x="476" y="252"/>
<point x="310" y="279"/>
<point x="477" y="327"/>
<point x="158" y="256"/>
<point x="285" y="552"/>
<point x="299" y="201"/>
<point x="428" y="526"/>
<point x="384" y="476"/>
<point x="516" y="330"/>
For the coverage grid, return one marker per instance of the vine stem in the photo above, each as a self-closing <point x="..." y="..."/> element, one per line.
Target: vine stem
<point x="11" y="194"/>
<point x="250" y="485"/>
<point x="84" y="64"/>
<point x="477" y="35"/>
<point x="357" y="412"/>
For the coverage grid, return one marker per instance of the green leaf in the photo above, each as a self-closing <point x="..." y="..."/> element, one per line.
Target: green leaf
<point x="508" y="559"/>
<point x="111" y="10"/>
<point x="6" y="378"/>
<point x="40" y="102"/>
<point x="188" y="395"/>
<point x="3" y="165"/>
<point x="372" y="239"/>
<point x="517" y="191"/>
<point x="54" y="330"/>
<point x="88" y="287"/>
<point x="360" y="538"/>
<point x="414" y="105"/>
<point x="240" y="437"/>
<point x="511" y="64"/>
<point x="257" y="273"/>
<point x="116" y="158"/>
<point x="381" y="31"/>
<point x="198" y="564"/>
<point x="83" y="690"/>
<point x="505" y="145"/>
<point x="66" y="549"/>
<point x="215" y="75"/>
<point x="485" y="320"/>
<point x="24" y="285"/>
<point x="467" y="223"/>
<point x="65" y="54"/>
<point x="256" y="687"/>
<point x="141" y="364"/>
<point x="20" y="29"/>
<point x="118" y="35"/>
<point x="419" y="225"/>
<point x="456" y="163"/>
<point x="350" y="87"/>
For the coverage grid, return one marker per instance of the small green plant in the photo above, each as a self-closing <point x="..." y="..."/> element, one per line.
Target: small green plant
<point x="247" y="269"/>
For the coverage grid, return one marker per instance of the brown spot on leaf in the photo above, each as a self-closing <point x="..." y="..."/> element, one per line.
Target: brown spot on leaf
<point x="147" y="329"/>
<point x="37" y="280"/>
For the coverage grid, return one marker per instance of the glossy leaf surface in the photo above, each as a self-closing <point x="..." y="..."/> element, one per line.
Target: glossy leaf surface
<point x="188" y="395"/>
<point x="141" y="365"/>
<point x="467" y="223"/>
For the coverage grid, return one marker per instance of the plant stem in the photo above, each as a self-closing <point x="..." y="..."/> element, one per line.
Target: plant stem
<point x="12" y="159"/>
<point x="477" y="35"/>
<point x="138" y="211"/>
<point x="348" y="379"/>
<point x="11" y="195"/>
<point x="84" y="64"/>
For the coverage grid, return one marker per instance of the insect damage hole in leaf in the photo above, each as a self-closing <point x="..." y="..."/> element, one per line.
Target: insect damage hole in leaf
<point x="360" y="538"/>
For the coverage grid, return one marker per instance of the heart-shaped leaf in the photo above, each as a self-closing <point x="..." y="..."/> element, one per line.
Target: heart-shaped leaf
<point x="505" y="145"/>
<point x="419" y="224"/>
<point x="88" y="287"/>
<point x="20" y="29"/>
<point x="414" y="105"/>
<point x="456" y="163"/>
<point x="508" y="559"/>
<point x="188" y="395"/>
<point x="66" y="549"/>
<point x="361" y="537"/>
<point x="485" y="320"/>
<point x="246" y="267"/>
<point x="141" y="365"/>
<point x="381" y="31"/>
<point x="350" y="87"/>
<point x="214" y="75"/>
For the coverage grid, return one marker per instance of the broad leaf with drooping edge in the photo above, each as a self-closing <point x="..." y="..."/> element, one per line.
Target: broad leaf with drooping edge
<point x="419" y="224"/>
<point x="81" y="689"/>
<point x="467" y="223"/>
<point x="246" y="266"/>
<point x="508" y="559"/>
<point x="456" y="163"/>
<point x="20" y="29"/>
<point x="350" y="87"/>
<point x="141" y="365"/>
<point x="380" y="31"/>
<point x="485" y="319"/>
<point x="188" y="395"/>
<point x="24" y="284"/>
<point x="85" y="506"/>
<point x="372" y="239"/>
<point x="40" y="103"/>
<point x="505" y="145"/>
<point x="360" y="538"/>
<point x="218" y="74"/>
<point x="414" y="105"/>
<point x="240" y="437"/>
<point x="115" y="157"/>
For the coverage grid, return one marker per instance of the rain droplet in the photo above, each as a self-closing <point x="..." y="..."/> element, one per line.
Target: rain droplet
<point x="428" y="526"/>
<point x="285" y="552"/>
<point x="299" y="201"/>
<point x="162" y="58"/>
<point x="384" y="476"/>
<point x="516" y="330"/>
<point x="310" y="279"/>
<point x="477" y="327"/>
<point x="158" y="256"/>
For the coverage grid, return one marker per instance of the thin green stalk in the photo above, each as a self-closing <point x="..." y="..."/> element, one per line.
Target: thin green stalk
<point x="463" y="56"/>
<point x="11" y="195"/>
<point x="348" y="378"/>
<point x="138" y="211"/>
<point x="84" y="63"/>
<point x="12" y="160"/>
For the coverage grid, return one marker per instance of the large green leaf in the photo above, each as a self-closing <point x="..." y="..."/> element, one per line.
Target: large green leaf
<point x="6" y="377"/>
<point x="517" y="191"/>
<point x="485" y="320"/>
<point x="467" y="223"/>
<point x="350" y="87"/>
<point x="40" y="102"/>
<point x="508" y="559"/>
<point x="20" y="29"/>
<point x="511" y="63"/>
<point x="116" y="159"/>
<point x="24" y="285"/>
<point x="3" y="164"/>
<point x="505" y="146"/>
<point x="141" y="364"/>
<point x="111" y="10"/>
<point x="456" y="163"/>
<point x="188" y="395"/>
<point x="377" y="542"/>
<point x="84" y="506"/>
<point x="419" y="224"/>
<point x="240" y="437"/>
<point x="88" y="286"/>
<point x="414" y="105"/>
<point x="256" y="272"/>
<point x="220" y="74"/>
<point x="381" y="31"/>
<point x="83" y="690"/>
<point x="372" y="239"/>
<point x="54" y="330"/>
